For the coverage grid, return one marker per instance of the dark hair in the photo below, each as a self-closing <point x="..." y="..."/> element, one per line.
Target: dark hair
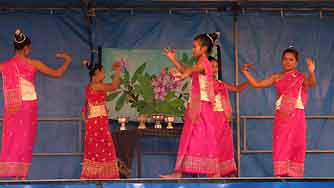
<point x="20" y="40"/>
<point x="211" y="58"/>
<point x="92" y="68"/>
<point x="291" y="50"/>
<point x="208" y="40"/>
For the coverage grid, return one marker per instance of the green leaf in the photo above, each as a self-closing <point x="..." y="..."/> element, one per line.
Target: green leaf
<point x="113" y="95"/>
<point x="176" y="109"/>
<point x="141" y="79"/>
<point x="192" y="61"/>
<point x="178" y="102"/>
<point x="162" y="107"/>
<point x="186" y="97"/>
<point x="120" y="102"/>
<point x="121" y="82"/>
<point x="170" y="96"/>
<point x="146" y="108"/>
<point x="126" y="76"/>
<point x="185" y="86"/>
<point x="181" y="110"/>
<point x="137" y="105"/>
<point x="138" y="72"/>
<point x="136" y="89"/>
<point x="148" y="93"/>
<point x="149" y="77"/>
<point x="184" y="58"/>
<point x="145" y="87"/>
<point x="187" y="60"/>
<point x="171" y="108"/>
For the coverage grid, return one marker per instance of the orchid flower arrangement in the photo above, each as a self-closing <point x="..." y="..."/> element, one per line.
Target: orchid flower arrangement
<point x="149" y="94"/>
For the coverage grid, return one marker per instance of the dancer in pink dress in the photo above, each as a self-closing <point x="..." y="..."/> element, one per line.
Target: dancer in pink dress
<point x="289" y="132"/>
<point x="198" y="151"/>
<point x="20" y="110"/>
<point x="223" y="115"/>
<point x="100" y="160"/>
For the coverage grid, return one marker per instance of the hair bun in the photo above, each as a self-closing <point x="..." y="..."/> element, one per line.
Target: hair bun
<point x="214" y="37"/>
<point x="19" y="36"/>
<point x="88" y="64"/>
<point x="18" y="32"/>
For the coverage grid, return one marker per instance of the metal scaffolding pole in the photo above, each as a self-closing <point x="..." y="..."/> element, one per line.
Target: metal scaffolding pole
<point x="237" y="102"/>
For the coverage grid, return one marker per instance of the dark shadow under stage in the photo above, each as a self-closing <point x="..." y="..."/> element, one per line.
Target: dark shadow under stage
<point x="176" y="183"/>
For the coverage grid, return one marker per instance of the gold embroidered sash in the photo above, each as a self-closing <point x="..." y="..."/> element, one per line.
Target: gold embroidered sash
<point x="96" y="110"/>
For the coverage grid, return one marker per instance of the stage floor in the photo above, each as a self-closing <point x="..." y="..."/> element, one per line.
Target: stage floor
<point x="176" y="183"/>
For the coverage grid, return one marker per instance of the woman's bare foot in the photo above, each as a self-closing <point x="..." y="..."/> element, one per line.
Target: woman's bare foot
<point x="172" y="175"/>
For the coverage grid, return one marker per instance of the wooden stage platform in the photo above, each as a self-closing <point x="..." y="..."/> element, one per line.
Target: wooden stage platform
<point x="308" y="182"/>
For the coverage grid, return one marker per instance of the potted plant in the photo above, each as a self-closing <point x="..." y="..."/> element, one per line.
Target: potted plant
<point x="152" y="93"/>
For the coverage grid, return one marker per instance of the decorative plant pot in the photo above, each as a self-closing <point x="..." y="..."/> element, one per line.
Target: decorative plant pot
<point x="122" y="121"/>
<point x="142" y="119"/>
<point x="157" y="118"/>
<point x="170" y="120"/>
